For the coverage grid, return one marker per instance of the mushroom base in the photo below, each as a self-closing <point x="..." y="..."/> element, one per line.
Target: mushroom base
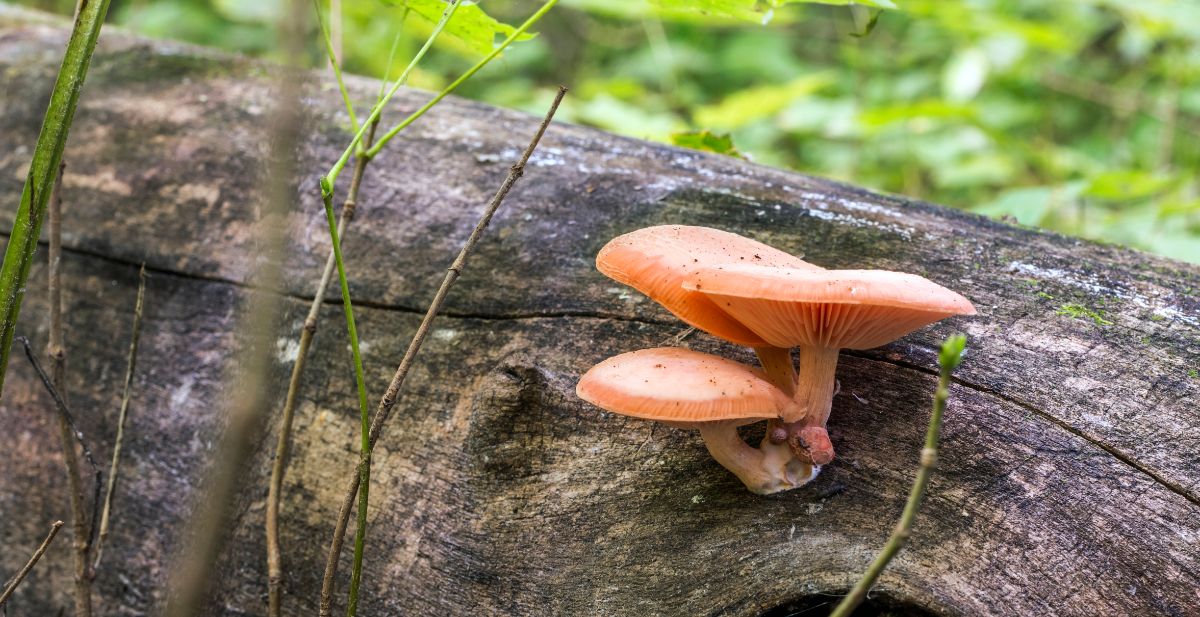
<point x="810" y="444"/>
<point x="771" y="468"/>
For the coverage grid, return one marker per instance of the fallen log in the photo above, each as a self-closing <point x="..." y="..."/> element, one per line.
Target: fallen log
<point x="1068" y="480"/>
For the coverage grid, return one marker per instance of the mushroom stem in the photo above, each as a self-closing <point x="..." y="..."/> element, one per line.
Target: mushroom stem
<point x="814" y="387"/>
<point x="802" y="424"/>
<point x="762" y="472"/>
<point x="781" y="372"/>
<point x="777" y="364"/>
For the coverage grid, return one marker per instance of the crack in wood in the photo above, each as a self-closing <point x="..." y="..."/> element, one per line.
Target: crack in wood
<point x="1132" y="462"/>
<point x="1158" y="478"/>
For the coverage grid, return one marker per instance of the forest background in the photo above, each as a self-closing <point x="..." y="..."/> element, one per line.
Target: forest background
<point x="1080" y="117"/>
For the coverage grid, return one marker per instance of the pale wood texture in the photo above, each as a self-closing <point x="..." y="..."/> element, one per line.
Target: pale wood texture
<point x="1069" y="476"/>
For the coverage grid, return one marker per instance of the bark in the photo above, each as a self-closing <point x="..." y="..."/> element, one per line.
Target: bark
<point x="1068" y="480"/>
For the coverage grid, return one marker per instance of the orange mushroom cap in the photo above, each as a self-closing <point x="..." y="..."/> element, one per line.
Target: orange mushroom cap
<point x="680" y="386"/>
<point x="855" y="309"/>
<point x="655" y="261"/>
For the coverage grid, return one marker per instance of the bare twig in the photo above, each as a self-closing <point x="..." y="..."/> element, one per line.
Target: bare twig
<point x="64" y="413"/>
<point x="130" y="363"/>
<point x="20" y="576"/>
<point x="349" y="207"/>
<point x="196" y="565"/>
<point x="949" y="359"/>
<point x="282" y="446"/>
<point x="388" y="401"/>
<point x="56" y="349"/>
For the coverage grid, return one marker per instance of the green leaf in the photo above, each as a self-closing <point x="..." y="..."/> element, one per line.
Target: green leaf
<point x="614" y="114"/>
<point x="760" y="11"/>
<point x="1127" y="185"/>
<point x="981" y="169"/>
<point x="1030" y="205"/>
<point x="964" y="75"/>
<point x="879" y="4"/>
<point x="1177" y="244"/>
<point x="748" y="10"/>
<point x="864" y="18"/>
<point x="933" y="109"/>
<point x="707" y="141"/>
<point x="261" y="11"/>
<point x="746" y="106"/>
<point x="470" y="25"/>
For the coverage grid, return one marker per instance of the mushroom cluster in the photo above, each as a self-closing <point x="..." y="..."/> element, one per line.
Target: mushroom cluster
<point x="754" y="295"/>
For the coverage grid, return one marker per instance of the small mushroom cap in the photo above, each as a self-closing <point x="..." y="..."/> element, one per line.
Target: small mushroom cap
<point x="655" y="261"/>
<point x="680" y="386"/>
<point x="855" y="309"/>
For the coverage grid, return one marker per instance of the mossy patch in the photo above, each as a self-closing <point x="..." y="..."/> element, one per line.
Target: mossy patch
<point x="1079" y="311"/>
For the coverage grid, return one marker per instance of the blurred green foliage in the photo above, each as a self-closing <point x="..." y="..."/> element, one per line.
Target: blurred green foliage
<point x="1081" y="117"/>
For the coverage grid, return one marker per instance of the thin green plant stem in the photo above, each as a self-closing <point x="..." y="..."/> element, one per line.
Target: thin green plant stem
<point x="388" y="401"/>
<point x="533" y="19"/>
<point x="275" y="570"/>
<point x="949" y="359"/>
<point x="283" y="444"/>
<point x="279" y="467"/>
<point x="391" y="57"/>
<point x="331" y="176"/>
<point x="363" y="405"/>
<point x="383" y="83"/>
<point x="122" y="416"/>
<point x="333" y="62"/>
<point x="47" y="154"/>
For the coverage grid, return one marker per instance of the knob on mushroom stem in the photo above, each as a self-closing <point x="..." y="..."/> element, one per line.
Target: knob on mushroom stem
<point x="811" y="444"/>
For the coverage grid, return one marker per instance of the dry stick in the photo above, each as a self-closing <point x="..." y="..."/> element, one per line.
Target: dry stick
<point x="63" y="410"/>
<point x="196" y="565"/>
<point x="130" y="362"/>
<point x="951" y="355"/>
<point x="64" y="414"/>
<point x="282" y="447"/>
<point x="57" y="351"/>
<point x="393" y="390"/>
<point x="349" y="207"/>
<point x="20" y="576"/>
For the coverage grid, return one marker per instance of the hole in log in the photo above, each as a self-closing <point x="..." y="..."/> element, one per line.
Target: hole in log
<point x="879" y="604"/>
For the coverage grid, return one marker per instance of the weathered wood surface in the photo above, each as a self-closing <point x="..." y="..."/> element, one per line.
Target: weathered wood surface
<point x="1069" y="479"/>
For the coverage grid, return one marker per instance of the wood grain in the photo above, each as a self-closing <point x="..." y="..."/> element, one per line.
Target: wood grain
<point x="1068" y="481"/>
